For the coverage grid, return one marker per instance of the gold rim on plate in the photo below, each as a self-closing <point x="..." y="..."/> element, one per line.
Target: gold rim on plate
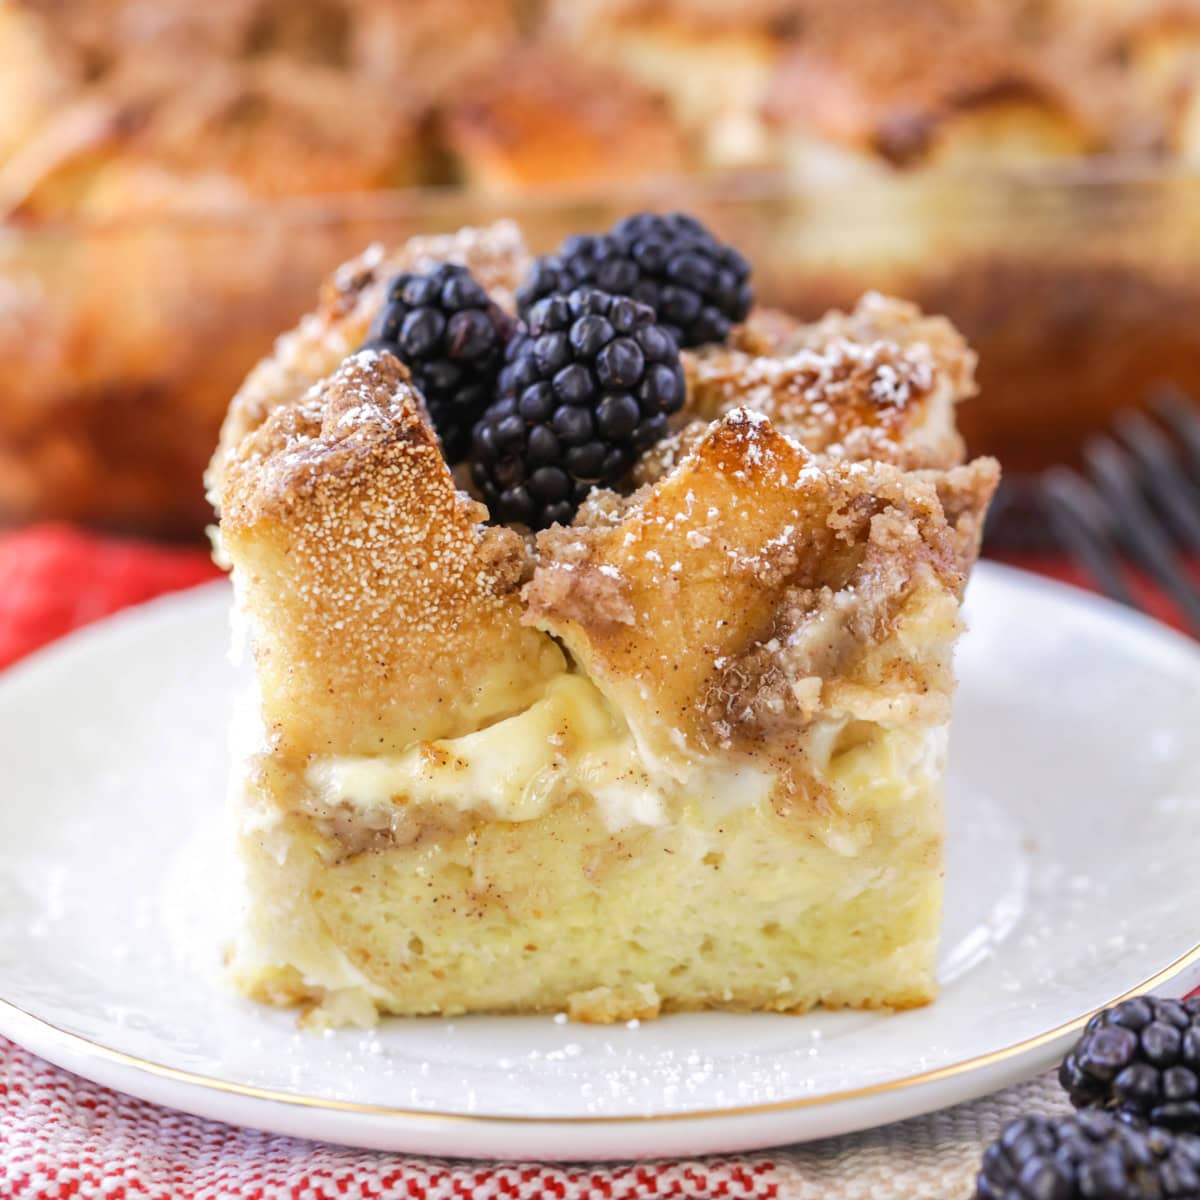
<point x="161" y="1071"/>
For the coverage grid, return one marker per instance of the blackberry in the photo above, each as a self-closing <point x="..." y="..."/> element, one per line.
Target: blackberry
<point x="1088" y="1156"/>
<point x="697" y="286"/>
<point x="445" y="329"/>
<point x="1140" y="1058"/>
<point x="585" y="389"/>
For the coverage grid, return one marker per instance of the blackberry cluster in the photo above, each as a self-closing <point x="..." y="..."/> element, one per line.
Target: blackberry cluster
<point x="697" y="286"/>
<point x="1140" y="1058"/>
<point x="583" y="391"/>
<point x="445" y="329"/>
<point x="1089" y="1156"/>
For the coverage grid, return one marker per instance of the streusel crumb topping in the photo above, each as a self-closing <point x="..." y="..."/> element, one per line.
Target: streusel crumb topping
<point x="717" y="599"/>
<point x="877" y="383"/>
<point x="773" y="542"/>
<point x="349" y="301"/>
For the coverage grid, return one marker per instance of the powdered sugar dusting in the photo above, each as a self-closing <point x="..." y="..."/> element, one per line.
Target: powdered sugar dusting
<point x="827" y="397"/>
<point x="878" y="383"/>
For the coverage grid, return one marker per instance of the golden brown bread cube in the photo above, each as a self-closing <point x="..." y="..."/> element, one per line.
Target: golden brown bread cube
<point x="384" y="611"/>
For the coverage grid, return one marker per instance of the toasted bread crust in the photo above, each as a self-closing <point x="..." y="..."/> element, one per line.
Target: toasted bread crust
<point x="878" y="383"/>
<point x="825" y="493"/>
<point x="384" y="611"/>
<point x="752" y="566"/>
<point x="816" y="462"/>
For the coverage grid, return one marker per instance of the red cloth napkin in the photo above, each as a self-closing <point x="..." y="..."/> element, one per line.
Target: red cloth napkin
<point x="54" y="578"/>
<point x="61" y="1136"/>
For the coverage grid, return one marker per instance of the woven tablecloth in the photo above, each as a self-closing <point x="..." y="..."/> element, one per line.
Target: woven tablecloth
<point x="61" y="1136"/>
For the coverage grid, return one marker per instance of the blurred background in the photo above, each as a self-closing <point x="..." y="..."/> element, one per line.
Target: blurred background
<point x="177" y="177"/>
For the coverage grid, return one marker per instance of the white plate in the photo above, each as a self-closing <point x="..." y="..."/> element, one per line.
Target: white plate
<point x="1074" y="811"/>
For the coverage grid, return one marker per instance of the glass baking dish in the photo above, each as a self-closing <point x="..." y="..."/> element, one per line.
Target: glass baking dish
<point x="120" y="343"/>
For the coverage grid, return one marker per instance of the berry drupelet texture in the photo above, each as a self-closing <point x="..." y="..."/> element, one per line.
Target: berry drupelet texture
<point x="450" y="335"/>
<point x="1141" y="1059"/>
<point x="697" y="286"/>
<point x="1089" y="1156"/>
<point x="584" y="390"/>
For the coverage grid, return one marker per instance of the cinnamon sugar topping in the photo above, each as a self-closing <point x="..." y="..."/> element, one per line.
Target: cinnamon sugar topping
<point x="360" y="557"/>
<point x="350" y="300"/>
<point x="749" y="570"/>
<point x="777" y="540"/>
<point x="366" y="425"/>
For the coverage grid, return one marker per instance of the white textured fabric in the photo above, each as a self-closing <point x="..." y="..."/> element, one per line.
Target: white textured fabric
<point x="928" y="1158"/>
<point x="61" y="1136"/>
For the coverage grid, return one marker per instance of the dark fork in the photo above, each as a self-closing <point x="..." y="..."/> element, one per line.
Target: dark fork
<point x="1138" y="495"/>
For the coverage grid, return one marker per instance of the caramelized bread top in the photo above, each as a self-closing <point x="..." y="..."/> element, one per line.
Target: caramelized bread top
<point x="195" y="106"/>
<point x="799" y="546"/>
<point x="711" y="603"/>
<point x="538" y="117"/>
<point x="262" y="98"/>
<point x="869" y="77"/>
<point x="267" y="128"/>
<point x="383" y="610"/>
<point x="880" y="382"/>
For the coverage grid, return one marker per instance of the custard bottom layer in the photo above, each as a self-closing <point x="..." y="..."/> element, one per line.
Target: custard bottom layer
<point x="542" y="865"/>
